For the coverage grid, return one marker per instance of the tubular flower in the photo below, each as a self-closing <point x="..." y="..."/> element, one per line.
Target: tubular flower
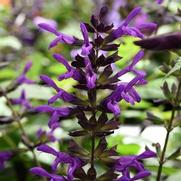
<point x="60" y="158"/>
<point x="55" y="112"/>
<point x="22" y="78"/>
<point x="124" y="29"/>
<point x="126" y="163"/>
<point x="22" y="101"/>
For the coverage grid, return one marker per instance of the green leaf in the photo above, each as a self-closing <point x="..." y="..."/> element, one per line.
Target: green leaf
<point x="175" y="154"/>
<point x="175" y="177"/>
<point x="153" y="118"/>
<point x="175" y="68"/>
<point x="128" y="149"/>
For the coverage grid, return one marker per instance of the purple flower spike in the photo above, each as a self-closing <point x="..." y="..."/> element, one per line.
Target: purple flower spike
<point x="22" y="101"/>
<point x="87" y="46"/>
<point x="125" y="163"/>
<point x="4" y="156"/>
<point x="22" y="78"/>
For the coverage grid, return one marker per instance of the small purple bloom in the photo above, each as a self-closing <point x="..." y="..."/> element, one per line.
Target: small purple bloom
<point x="113" y="106"/>
<point x="71" y="73"/>
<point x="87" y="46"/>
<point x="4" y="156"/>
<point x="22" y="101"/>
<point x="126" y="163"/>
<point x="55" y="112"/>
<point x="61" y="94"/>
<point x="42" y="172"/>
<point x="61" y="38"/>
<point x="60" y="157"/>
<point x="38" y="20"/>
<point x="90" y="74"/>
<point x="130" y="67"/>
<point x="124" y="29"/>
<point x="22" y="78"/>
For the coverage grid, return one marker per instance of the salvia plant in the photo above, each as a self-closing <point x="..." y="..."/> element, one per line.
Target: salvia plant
<point x="95" y="103"/>
<point x="97" y="114"/>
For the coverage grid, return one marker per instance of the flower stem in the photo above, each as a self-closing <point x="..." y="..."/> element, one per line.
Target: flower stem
<point x="169" y="129"/>
<point x="17" y="119"/>
<point x="92" y="151"/>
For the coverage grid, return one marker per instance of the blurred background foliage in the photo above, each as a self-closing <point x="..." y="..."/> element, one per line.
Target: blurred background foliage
<point x="20" y="41"/>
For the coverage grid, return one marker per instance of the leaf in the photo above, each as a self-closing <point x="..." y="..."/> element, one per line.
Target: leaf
<point x="166" y="90"/>
<point x="175" y="68"/>
<point x="153" y="118"/>
<point x="175" y="177"/>
<point x="128" y="149"/>
<point x="175" y="154"/>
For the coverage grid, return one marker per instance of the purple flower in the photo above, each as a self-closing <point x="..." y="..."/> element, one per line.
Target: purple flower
<point x="42" y="172"/>
<point x="56" y="114"/>
<point x="113" y="106"/>
<point x="72" y="72"/>
<point x="38" y="20"/>
<point x="61" y="94"/>
<point x="22" y="78"/>
<point x="126" y="90"/>
<point x="90" y="75"/>
<point x="124" y="29"/>
<point x="4" y="156"/>
<point x="22" y="101"/>
<point x="60" y="157"/>
<point x="87" y="46"/>
<point x="61" y="38"/>
<point x="130" y="67"/>
<point x="125" y="163"/>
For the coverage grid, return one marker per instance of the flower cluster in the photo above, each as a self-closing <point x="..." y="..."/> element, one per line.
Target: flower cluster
<point x="93" y="70"/>
<point x="126" y="163"/>
<point x="60" y="157"/>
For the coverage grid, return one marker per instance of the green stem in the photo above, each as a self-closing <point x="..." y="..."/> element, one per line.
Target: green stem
<point x="92" y="151"/>
<point x="17" y="119"/>
<point x="169" y="129"/>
